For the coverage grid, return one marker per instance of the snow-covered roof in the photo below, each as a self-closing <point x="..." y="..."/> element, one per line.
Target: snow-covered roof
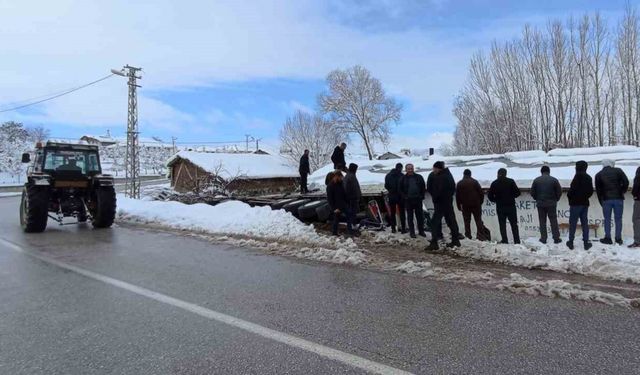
<point x="522" y="166"/>
<point x="230" y="165"/>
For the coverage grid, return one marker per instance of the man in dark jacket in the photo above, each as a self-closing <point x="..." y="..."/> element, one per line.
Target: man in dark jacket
<point x="635" y="191"/>
<point x="546" y="191"/>
<point x="305" y="170"/>
<point x="396" y="204"/>
<point x="442" y="188"/>
<point x="469" y="199"/>
<point x="580" y="190"/>
<point x="338" y="157"/>
<point x="611" y="185"/>
<point x="337" y="199"/>
<point x="412" y="190"/>
<point x="503" y="192"/>
<point x="353" y="193"/>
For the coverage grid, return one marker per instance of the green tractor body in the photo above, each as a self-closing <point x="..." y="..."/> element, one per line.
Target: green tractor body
<point x="66" y="180"/>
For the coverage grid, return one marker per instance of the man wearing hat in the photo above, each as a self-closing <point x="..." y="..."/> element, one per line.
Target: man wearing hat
<point x="442" y="188"/>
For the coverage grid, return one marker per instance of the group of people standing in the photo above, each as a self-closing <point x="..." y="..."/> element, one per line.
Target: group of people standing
<point x="611" y="184"/>
<point x="407" y="191"/>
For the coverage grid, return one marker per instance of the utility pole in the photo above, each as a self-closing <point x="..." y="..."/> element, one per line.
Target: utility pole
<point x="132" y="161"/>
<point x="247" y="138"/>
<point x="173" y="141"/>
<point x="258" y="143"/>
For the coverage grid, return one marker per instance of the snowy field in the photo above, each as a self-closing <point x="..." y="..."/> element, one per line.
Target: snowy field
<point x="522" y="166"/>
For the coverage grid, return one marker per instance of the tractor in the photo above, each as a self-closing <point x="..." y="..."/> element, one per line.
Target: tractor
<point x="66" y="180"/>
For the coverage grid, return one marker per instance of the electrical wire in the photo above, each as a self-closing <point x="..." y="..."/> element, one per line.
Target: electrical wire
<point x="59" y="94"/>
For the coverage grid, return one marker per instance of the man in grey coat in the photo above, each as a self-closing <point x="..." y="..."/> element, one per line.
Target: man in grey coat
<point x="546" y="190"/>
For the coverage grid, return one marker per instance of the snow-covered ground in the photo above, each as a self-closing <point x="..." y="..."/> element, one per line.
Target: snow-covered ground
<point x="611" y="262"/>
<point x="239" y="219"/>
<point x="522" y="166"/>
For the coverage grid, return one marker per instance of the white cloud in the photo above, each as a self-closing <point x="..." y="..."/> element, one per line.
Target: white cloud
<point x="46" y="45"/>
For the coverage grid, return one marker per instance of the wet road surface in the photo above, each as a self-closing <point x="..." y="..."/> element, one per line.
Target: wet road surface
<point x="129" y="300"/>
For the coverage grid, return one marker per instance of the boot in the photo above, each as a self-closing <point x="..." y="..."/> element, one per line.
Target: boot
<point x="412" y="235"/>
<point x="557" y="241"/>
<point x="422" y="234"/>
<point x="393" y="229"/>
<point x="570" y="245"/>
<point x="454" y="243"/>
<point x="619" y="241"/>
<point x="634" y="245"/>
<point x="433" y="246"/>
<point x="606" y="241"/>
<point x="587" y="245"/>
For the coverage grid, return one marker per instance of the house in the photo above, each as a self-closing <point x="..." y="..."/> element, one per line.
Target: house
<point x="99" y="140"/>
<point x="388" y="156"/>
<point x="238" y="173"/>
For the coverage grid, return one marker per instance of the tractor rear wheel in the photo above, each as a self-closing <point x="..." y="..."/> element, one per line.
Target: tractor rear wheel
<point x="105" y="207"/>
<point x="34" y="208"/>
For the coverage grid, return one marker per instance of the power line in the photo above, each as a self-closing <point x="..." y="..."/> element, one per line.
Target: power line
<point x="209" y="142"/>
<point x="69" y="91"/>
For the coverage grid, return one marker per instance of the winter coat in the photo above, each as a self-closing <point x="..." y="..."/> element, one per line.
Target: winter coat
<point x="441" y="187"/>
<point x="336" y="196"/>
<point x="503" y="192"/>
<point x="304" y="168"/>
<point x="352" y="187"/>
<point x="469" y="193"/>
<point x="546" y="190"/>
<point x="404" y="186"/>
<point x="338" y="158"/>
<point x="611" y="183"/>
<point x="581" y="188"/>
<point x="392" y="182"/>
<point x="636" y="185"/>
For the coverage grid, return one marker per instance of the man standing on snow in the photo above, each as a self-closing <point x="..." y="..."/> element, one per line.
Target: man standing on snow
<point x="469" y="199"/>
<point x="391" y="183"/>
<point x="546" y="191"/>
<point x="503" y="192"/>
<point x="304" y="170"/>
<point x="636" y="210"/>
<point x="611" y="185"/>
<point x="442" y="188"/>
<point x="338" y="157"/>
<point x="337" y="201"/>
<point x="412" y="190"/>
<point x="353" y="193"/>
<point x="580" y="191"/>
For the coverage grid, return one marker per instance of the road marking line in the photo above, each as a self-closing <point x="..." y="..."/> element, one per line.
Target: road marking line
<point x="296" y="342"/>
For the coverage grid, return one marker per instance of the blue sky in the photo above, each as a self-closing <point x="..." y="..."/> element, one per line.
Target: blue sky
<point x="217" y="70"/>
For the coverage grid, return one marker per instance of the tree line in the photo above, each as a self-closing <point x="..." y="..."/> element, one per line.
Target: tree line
<point x="568" y="84"/>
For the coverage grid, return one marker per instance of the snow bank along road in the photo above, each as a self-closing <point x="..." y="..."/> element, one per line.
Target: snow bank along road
<point x="78" y="300"/>
<point x="280" y="233"/>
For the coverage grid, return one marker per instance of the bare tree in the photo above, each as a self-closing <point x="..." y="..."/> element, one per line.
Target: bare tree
<point x="565" y="85"/>
<point x="38" y="133"/>
<point x="356" y="103"/>
<point x="304" y="131"/>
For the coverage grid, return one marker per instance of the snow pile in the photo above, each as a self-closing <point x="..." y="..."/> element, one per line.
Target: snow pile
<point x="609" y="262"/>
<point x="241" y="165"/>
<point x="234" y="218"/>
<point x="562" y="289"/>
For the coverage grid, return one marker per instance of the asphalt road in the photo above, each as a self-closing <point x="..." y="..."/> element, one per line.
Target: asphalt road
<point x="74" y="300"/>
